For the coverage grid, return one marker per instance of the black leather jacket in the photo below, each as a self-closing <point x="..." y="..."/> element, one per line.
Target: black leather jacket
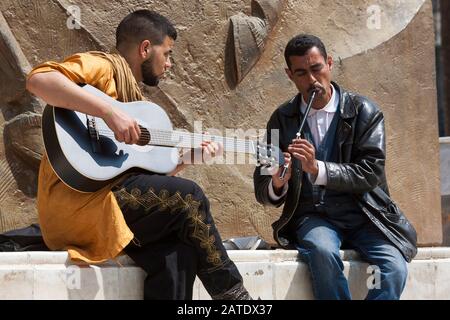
<point x="360" y="170"/>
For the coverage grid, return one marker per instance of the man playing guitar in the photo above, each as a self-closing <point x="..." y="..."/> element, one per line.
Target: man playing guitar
<point x="162" y="222"/>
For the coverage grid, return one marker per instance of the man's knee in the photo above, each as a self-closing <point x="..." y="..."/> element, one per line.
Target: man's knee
<point x="197" y="190"/>
<point x="320" y="251"/>
<point x="397" y="268"/>
<point x="187" y="187"/>
<point x="173" y="185"/>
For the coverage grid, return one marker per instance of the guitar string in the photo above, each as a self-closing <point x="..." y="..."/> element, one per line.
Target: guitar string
<point x="170" y="134"/>
<point x="167" y="137"/>
<point x="227" y="145"/>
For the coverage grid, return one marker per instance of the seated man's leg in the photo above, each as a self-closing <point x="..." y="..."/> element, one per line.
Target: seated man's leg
<point x="387" y="262"/>
<point x="156" y="207"/>
<point x="171" y="268"/>
<point x="318" y="243"/>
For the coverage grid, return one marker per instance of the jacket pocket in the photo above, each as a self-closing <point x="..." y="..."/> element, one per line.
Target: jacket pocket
<point x="380" y="206"/>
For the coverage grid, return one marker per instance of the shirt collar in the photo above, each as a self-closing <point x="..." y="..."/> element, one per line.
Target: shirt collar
<point x="331" y="106"/>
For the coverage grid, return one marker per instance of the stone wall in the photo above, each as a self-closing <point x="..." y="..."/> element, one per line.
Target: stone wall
<point x="267" y="274"/>
<point x="384" y="52"/>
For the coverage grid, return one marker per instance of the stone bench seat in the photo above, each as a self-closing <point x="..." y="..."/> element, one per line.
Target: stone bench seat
<point x="269" y="274"/>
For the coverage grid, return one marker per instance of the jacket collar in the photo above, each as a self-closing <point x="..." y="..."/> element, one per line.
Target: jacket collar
<point x="347" y="107"/>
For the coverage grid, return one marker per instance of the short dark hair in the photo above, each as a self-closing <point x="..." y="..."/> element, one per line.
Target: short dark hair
<point x="143" y="25"/>
<point x="301" y="44"/>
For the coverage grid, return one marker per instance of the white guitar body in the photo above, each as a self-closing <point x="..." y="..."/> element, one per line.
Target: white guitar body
<point x="114" y="158"/>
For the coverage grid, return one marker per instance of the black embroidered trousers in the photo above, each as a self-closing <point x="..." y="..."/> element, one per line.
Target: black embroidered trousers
<point x="175" y="238"/>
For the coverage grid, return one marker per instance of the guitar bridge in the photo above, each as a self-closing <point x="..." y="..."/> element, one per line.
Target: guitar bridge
<point x="93" y="134"/>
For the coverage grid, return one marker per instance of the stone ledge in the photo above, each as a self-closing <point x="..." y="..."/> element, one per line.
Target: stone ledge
<point x="444" y="140"/>
<point x="269" y="274"/>
<point x="278" y="255"/>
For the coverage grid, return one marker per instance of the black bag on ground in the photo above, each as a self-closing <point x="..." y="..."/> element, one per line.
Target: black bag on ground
<point x="25" y="239"/>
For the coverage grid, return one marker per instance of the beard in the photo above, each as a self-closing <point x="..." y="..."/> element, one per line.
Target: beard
<point x="148" y="74"/>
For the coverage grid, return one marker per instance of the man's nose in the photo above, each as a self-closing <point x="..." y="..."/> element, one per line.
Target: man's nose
<point x="312" y="80"/>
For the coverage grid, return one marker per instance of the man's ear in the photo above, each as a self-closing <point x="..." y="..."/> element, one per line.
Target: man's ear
<point x="330" y="62"/>
<point x="144" y="49"/>
<point x="289" y="73"/>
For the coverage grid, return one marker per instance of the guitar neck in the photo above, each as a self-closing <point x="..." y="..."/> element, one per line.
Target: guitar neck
<point x="182" y="139"/>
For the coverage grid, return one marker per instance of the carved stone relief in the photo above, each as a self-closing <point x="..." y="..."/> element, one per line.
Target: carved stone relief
<point x="392" y="64"/>
<point x="247" y="37"/>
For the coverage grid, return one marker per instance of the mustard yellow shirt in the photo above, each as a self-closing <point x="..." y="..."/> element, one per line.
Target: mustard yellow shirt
<point x="90" y="226"/>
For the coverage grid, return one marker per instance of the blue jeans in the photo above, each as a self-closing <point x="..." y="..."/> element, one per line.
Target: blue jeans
<point x="318" y="242"/>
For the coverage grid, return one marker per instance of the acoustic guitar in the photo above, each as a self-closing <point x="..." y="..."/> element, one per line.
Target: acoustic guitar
<point x="84" y="154"/>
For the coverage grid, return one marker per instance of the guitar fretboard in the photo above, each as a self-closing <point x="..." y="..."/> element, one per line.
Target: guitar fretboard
<point x="193" y="140"/>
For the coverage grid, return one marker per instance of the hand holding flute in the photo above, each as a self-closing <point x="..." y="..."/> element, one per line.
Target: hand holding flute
<point x="300" y="149"/>
<point x="300" y="130"/>
<point x="305" y="152"/>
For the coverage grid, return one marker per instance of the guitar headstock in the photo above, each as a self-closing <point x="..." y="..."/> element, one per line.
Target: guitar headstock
<point x="268" y="156"/>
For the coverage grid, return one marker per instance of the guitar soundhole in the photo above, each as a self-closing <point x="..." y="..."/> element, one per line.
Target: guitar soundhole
<point x="145" y="137"/>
